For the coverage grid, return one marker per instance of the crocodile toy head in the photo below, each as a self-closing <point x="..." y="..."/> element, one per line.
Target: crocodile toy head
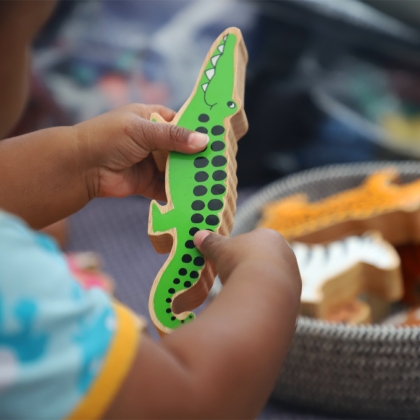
<point x="214" y="93"/>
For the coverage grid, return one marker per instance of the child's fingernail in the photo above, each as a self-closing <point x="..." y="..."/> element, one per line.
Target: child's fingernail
<point x="200" y="236"/>
<point x="198" y="140"/>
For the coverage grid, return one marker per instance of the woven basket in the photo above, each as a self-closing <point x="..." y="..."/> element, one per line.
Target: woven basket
<point x="368" y="371"/>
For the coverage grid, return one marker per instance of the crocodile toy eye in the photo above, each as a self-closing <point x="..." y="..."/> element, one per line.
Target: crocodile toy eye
<point x="231" y="104"/>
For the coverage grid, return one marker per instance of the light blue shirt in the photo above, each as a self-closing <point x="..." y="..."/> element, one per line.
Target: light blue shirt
<point x="54" y="335"/>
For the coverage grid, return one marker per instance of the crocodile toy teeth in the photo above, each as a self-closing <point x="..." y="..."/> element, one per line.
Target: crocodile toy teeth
<point x="201" y="188"/>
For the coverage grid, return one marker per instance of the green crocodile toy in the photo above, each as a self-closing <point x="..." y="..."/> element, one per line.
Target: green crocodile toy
<point x="201" y="188"/>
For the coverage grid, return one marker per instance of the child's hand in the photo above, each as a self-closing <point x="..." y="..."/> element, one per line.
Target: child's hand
<point x="261" y="246"/>
<point x="50" y="174"/>
<point x="226" y="362"/>
<point x="117" y="147"/>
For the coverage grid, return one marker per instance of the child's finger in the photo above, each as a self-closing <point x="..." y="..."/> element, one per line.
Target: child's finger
<point x="156" y="136"/>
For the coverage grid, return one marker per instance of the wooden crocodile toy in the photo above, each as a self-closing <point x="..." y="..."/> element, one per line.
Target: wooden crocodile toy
<point x="379" y="203"/>
<point x="200" y="188"/>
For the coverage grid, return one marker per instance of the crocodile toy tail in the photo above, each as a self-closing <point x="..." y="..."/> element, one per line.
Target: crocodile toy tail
<point x="173" y="296"/>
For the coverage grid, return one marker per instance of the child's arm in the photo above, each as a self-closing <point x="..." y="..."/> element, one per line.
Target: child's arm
<point x="224" y="364"/>
<point x="50" y="174"/>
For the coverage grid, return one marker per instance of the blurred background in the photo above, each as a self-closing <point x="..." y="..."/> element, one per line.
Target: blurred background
<point x="328" y="81"/>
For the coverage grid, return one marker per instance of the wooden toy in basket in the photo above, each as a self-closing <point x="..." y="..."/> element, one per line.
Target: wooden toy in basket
<point x="200" y="188"/>
<point x="334" y="275"/>
<point x="380" y="203"/>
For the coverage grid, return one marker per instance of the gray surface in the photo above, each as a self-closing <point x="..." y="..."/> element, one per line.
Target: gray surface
<point x="117" y="230"/>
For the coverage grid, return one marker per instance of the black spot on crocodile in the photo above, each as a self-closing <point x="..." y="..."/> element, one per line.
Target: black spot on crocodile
<point x="201" y="176"/>
<point x="198" y="261"/>
<point x="172" y="290"/>
<point x="215" y="205"/>
<point x="177" y="281"/>
<point x="187" y="284"/>
<point x="212" y="220"/>
<point x="201" y="162"/>
<point x="194" y="275"/>
<point x="217" y="130"/>
<point x="218" y="161"/>
<point x="189" y="244"/>
<point x="218" y="189"/>
<point x="193" y="231"/>
<point x="182" y="271"/>
<point x="169" y="310"/>
<point x="219" y="175"/>
<point x="199" y="190"/>
<point x="217" y="146"/>
<point x="186" y="258"/>
<point x="203" y="118"/>
<point x="202" y="130"/>
<point x="198" y="205"/>
<point x="169" y="300"/>
<point x="197" y="218"/>
<point x="173" y="318"/>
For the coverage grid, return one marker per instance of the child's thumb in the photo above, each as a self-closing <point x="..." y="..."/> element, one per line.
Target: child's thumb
<point x="159" y="136"/>
<point x="209" y="244"/>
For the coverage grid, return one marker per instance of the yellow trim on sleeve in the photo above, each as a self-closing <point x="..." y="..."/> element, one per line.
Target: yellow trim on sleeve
<point x="115" y="368"/>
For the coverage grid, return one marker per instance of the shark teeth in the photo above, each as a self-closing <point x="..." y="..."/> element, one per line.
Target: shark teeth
<point x="210" y="74"/>
<point x="225" y="38"/>
<point x="221" y="48"/>
<point x="205" y="86"/>
<point x="215" y="59"/>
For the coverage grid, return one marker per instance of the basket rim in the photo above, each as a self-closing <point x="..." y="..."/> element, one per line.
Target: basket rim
<point x="277" y="189"/>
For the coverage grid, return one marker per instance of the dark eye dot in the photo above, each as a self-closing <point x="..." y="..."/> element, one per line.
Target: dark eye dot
<point x="168" y="311"/>
<point x="189" y="244"/>
<point x="231" y="104"/>
<point x="212" y="220"/>
<point x="199" y="261"/>
<point x="201" y="176"/>
<point x="169" y="300"/>
<point x="186" y="258"/>
<point x="217" y="130"/>
<point x="218" y="161"/>
<point x="193" y="231"/>
<point x="173" y="318"/>
<point x="201" y="162"/>
<point x="171" y="290"/>
<point x="199" y="190"/>
<point x="190" y="316"/>
<point x="202" y="130"/>
<point x="182" y="321"/>
<point x="197" y="218"/>
<point x="219" y="175"/>
<point x="198" y="205"/>
<point x="177" y="281"/>
<point x="217" y="146"/>
<point x="215" y="205"/>
<point x="182" y="272"/>
<point x="187" y="284"/>
<point x="203" y="118"/>
<point x="194" y="274"/>
<point x="218" y="189"/>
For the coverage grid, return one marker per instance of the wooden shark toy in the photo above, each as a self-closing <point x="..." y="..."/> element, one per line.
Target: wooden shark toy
<point x="334" y="275"/>
<point x="379" y="203"/>
<point x="200" y="188"/>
